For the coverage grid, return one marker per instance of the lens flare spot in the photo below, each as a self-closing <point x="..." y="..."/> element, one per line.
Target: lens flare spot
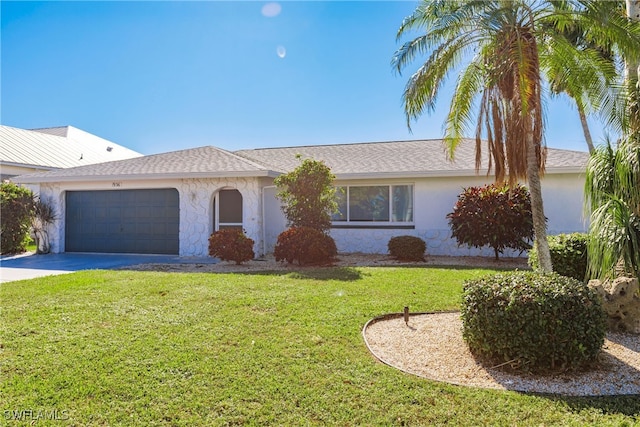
<point x="271" y="10"/>
<point x="281" y="51"/>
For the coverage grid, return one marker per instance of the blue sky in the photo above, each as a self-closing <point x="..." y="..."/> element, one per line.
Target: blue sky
<point x="163" y="76"/>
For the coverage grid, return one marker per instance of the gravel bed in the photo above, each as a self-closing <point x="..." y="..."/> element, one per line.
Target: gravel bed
<point x="431" y="346"/>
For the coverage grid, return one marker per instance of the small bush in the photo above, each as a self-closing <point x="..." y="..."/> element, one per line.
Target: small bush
<point x="540" y="323"/>
<point x="307" y="195"/>
<point x="568" y="255"/>
<point x="16" y="204"/>
<point x="407" y="248"/>
<point x="306" y="246"/>
<point x="231" y="245"/>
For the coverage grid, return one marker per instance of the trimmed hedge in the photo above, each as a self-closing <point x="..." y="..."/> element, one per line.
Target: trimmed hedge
<point x="568" y="255"/>
<point x="231" y="245"/>
<point x="407" y="248"/>
<point x="541" y="323"/>
<point x="306" y="246"/>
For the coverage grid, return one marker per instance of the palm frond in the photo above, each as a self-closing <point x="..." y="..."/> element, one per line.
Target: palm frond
<point x="422" y="88"/>
<point x="469" y="85"/>
<point x="614" y="237"/>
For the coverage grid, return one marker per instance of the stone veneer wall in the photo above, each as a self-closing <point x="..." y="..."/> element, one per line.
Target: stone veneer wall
<point x="196" y="205"/>
<point x="54" y="195"/>
<point x="439" y="242"/>
<point x="196" y="217"/>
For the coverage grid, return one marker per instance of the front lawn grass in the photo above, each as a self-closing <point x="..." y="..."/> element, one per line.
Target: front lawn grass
<point x="285" y="348"/>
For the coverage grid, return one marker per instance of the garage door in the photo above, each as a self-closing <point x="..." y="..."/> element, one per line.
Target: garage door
<point x="122" y="221"/>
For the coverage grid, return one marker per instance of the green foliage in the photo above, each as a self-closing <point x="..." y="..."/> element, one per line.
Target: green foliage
<point x="612" y="201"/>
<point x="43" y="215"/>
<point x="568" y="255"/>
<point x="16" y="205"/>
<point x="493" y="215"/>
<point x="308" y="195"/>
<point x="305" y="245"/>
<point x="231" y="245"/>
<point x="407" y="248"/>
<point x="534" y="322"/>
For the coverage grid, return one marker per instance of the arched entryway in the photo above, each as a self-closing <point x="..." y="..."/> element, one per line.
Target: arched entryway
<point x="227" y="210"/>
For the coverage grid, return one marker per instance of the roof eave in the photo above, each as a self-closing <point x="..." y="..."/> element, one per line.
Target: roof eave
<point x="444" y="173"/>
<point x="31" y="166"/>
<point x="26" y="179"/>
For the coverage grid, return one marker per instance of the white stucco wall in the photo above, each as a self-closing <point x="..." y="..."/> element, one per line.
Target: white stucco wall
<point x="196" y="208"/>
<point x="434" y="198"/>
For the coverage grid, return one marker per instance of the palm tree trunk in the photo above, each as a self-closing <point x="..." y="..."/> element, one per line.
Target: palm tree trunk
<point x="633" y="9"/>
<point x="537" y="209"/>
<point x="632" y="68"/>
<point x="585" y="129"/>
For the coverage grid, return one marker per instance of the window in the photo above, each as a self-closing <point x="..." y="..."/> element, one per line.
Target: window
<point x="228" y="210"/>
<point x="374" y="203"/>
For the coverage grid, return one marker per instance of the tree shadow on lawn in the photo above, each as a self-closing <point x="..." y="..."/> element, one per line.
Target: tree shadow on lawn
<point x="628" y="405"/>
<point x="343" y="274"/>
<point x="352" y="274"/>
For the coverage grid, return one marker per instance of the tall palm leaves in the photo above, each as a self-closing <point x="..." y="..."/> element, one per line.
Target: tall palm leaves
<point x="613" y="198"/>
<point x="561" y="78"/>
<point x="502" y="49"/>
<point x="612" y="183"/>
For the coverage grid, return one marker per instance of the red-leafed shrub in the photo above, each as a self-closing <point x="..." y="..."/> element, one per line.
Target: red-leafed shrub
<point x="494" y="216"/>
<point x="407" y="248"/>
<point x="231" y="245"/>
<point x="306" y="246"/>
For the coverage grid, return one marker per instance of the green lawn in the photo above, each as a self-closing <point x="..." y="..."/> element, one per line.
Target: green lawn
<point x="145" y="348"/>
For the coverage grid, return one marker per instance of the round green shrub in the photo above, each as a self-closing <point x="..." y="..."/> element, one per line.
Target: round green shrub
<point x="305" y="245"/>
<point x="231" y="245"/>
<point x="541" y="323"/>
<point x="407" y="248"/>
<point x="568" y="255"/>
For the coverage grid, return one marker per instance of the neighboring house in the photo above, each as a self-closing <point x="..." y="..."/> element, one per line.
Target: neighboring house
<point x="25" y="151"/>
<point x="171" y="203"/>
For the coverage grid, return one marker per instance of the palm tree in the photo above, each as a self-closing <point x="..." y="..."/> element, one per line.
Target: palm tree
<point x="632" y="76"/>
<point x="508" y="47"/>
<point x="613" y="198"/>
<point x="560" y="78"/>
<point x="611" y="185"/>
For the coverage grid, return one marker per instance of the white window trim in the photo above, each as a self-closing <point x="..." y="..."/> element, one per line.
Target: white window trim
<point x="377" y="224"/>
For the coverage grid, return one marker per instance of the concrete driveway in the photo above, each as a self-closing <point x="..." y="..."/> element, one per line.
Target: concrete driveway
<point x="29" y="266"/>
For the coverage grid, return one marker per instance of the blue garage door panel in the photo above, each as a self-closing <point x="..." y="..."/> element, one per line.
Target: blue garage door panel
<point x="123" y="221"/>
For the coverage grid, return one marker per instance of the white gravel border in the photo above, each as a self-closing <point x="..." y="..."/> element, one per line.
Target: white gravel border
<point x="431" y="346"/>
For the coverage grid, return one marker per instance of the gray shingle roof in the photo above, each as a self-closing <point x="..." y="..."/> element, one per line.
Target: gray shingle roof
<point x="401" y="159"/>
<point x="54" y="148"/>
<point x="204" y="162"/>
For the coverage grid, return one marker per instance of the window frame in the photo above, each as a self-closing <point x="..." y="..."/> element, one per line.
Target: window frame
<point x="349" y="223"/>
